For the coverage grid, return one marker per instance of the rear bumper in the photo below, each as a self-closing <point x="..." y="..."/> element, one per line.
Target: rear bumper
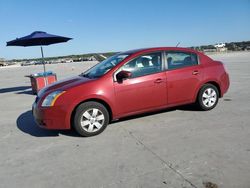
<point x="225" y="83"/>
<point x="50" y="118"/>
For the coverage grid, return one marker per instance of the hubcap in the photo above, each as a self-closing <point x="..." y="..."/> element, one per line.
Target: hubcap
<point x="92" y="120"/>
<point x="209" y="97"/>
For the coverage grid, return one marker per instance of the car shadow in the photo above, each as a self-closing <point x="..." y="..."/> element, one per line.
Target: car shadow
<point x="13" y="89"/>
<point x="189" y="107"/>
<point x="25" y="122"/>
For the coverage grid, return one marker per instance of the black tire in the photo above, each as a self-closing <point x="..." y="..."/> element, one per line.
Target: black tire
<point x="80" y="117"/>
<point x="201" y="100"/>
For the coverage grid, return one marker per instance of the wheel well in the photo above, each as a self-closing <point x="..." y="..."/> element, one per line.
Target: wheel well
<point x="216" y="85"/>
<point x="94" y="100"/>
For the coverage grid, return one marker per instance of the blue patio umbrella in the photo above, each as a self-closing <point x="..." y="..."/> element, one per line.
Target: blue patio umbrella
<point x="38" y="38"/>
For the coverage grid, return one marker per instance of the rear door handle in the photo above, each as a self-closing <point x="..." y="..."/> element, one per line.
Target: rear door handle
<point x="195" y="72"/>
<point x="159" y="80"/>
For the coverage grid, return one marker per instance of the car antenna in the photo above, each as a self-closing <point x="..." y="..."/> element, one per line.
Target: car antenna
<point x="177" y="44"/>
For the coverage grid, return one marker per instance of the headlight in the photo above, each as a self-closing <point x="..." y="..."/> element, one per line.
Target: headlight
<point x="50" y="99"/>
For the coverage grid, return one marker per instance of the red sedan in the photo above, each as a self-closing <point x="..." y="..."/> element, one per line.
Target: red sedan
<point x="129" y="83"/>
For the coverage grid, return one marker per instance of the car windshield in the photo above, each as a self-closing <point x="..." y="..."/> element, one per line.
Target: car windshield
<point x="102" y="68"/>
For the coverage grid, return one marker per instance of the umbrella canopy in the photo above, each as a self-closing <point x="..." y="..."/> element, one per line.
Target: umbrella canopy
<point x="38" y="38"/>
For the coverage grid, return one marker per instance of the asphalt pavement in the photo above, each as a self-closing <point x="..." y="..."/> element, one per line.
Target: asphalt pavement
<point x="177" y="147"/>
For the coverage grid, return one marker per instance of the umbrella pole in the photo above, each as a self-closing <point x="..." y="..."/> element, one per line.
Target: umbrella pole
<point x="44" y="70"/>
<point x="43" y="60"/>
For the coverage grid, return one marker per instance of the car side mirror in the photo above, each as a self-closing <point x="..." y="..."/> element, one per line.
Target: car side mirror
<point x="122" y="75"/>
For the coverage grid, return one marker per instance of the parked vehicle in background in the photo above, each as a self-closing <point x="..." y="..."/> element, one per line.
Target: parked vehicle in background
<point x="39" y="63"/>
<point x="247" y="48"/>
<point x="2" y="64"/>
<point x="27" y="63"/>
<point x="129" y="83"/>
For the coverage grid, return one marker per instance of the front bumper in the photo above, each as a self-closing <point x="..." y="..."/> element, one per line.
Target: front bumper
<point x="50" y="118"/>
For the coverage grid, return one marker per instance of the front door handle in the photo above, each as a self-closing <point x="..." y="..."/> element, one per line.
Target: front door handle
<point x="159" y="80"/>
<point x="195" y="72"/>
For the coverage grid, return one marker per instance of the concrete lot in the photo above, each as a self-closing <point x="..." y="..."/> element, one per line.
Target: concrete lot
<point x="175" y="148"/>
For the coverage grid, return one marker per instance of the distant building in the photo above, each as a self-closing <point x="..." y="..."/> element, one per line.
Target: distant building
<point x="209" y="50"/>
<point x="220" y="45"/>
<point x="223" y="49"/>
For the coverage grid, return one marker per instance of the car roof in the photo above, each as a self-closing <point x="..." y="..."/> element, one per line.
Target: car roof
<point x="145" y="50"/>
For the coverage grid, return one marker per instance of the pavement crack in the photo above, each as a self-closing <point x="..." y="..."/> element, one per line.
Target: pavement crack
<point x="129" y="177"/>
<point x="169" y="165"/>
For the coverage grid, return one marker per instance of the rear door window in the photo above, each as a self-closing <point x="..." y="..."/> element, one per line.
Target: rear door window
<point x="177" y="60"/>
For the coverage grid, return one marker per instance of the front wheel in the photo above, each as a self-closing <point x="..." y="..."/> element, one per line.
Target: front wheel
<point x="91" y="118"/>
<point x="208" y="97"/>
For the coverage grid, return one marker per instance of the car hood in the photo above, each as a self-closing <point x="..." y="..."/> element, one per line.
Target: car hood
<point x="64" y="85"/>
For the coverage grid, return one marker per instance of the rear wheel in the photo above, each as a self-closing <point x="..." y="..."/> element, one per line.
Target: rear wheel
<point x="91" y="118"/>
<point x="208" y="97"/>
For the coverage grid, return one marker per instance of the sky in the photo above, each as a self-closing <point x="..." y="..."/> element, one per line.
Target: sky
<point x="119" y="25"/>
